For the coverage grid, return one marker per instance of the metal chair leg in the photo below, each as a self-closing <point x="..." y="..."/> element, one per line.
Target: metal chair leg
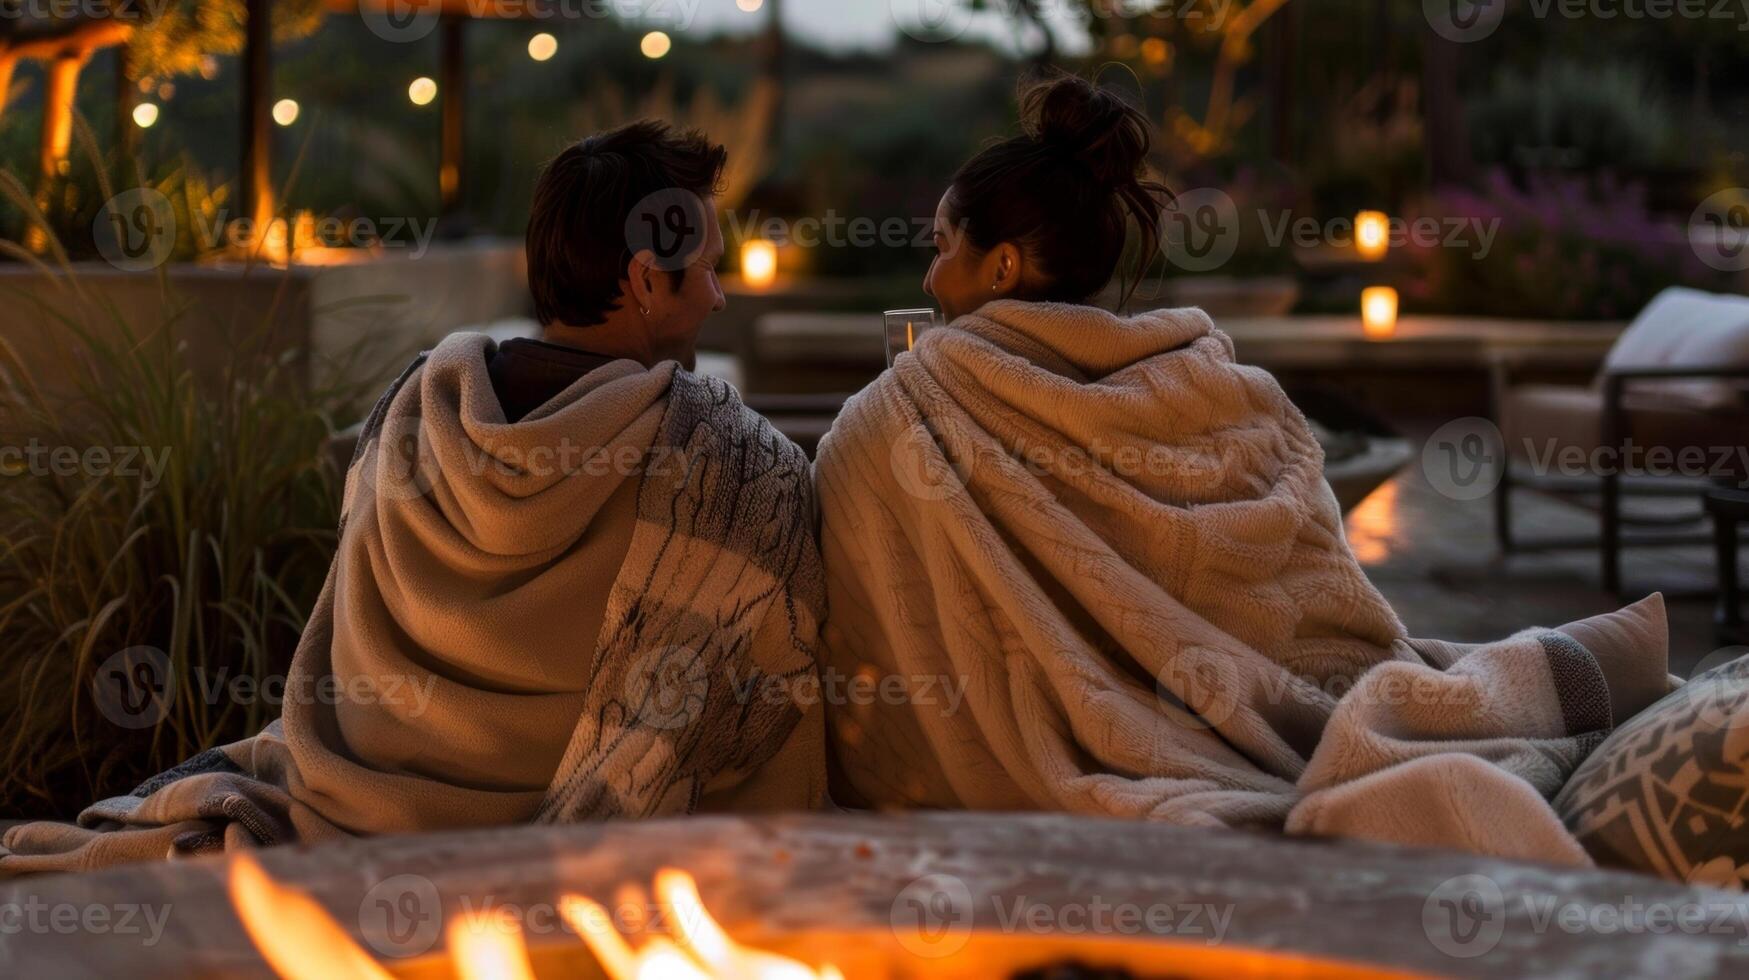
<point x="1610" y="545"/>
<point x="1503" y="508"/>
<point x="1730" y="614"/>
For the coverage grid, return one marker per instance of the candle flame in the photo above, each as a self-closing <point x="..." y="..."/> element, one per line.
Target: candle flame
<point x="1372" y="235"/>
<point x="759" y="263"/>
<point x="1378" y="312"/>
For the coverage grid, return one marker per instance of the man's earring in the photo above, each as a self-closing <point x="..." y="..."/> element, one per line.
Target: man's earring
<point x="644" y="311"/>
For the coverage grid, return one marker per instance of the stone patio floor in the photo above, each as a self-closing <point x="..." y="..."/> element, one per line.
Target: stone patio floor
<point x="1436" y="561"/>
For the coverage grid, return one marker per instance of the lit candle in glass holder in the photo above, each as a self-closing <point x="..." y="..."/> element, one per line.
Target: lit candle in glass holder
<point x="1372" y="235"/>
<point x="1378" y="312"/>
<point x="759" y="263"/>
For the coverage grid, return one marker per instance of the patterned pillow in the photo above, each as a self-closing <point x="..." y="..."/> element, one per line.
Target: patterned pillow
<point x="1668" y="792"/>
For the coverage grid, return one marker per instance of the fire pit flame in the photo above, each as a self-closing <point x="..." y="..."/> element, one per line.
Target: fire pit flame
<point x="701" y="948"/>
<point x="489" y="947"/>
<point x="294" y="934"/>
<point x="301" y="941"/>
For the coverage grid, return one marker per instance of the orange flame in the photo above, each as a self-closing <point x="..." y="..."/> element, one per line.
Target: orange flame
<point x="489" y="947"/>
<point x="300" y="941"/>
<point x="295" y="936"/>
<point x="700" y="949"/>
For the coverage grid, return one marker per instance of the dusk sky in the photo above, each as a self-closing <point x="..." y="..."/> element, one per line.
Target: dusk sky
<point x="850" y="23"/>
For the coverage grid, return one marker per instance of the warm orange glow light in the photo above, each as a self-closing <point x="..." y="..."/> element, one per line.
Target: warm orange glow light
<point x="294" y="934"/>
<point x="1378" y="312"/>
<point x="1372" y="235"/>
<point x="285" y="111"/>
<point x="301" y="941"/>
<point x="421" y="91"/>
<point x="145" y="115"/>
<point x="542" y="46"/>
<point x="759" y="263"/>
<point x="700" y="948"/>
<point x="655" y="45"/>
<point x="749" y="6"/>
<point x="489" y="947"/>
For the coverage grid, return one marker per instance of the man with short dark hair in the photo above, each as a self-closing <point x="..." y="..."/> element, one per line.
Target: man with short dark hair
<point x="574" y="580"/>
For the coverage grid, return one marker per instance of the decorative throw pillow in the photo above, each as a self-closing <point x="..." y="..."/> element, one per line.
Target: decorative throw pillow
<point x="1668" y="792"/>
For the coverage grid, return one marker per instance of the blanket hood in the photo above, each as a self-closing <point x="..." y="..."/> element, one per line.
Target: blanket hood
<point x="458" y="477"/>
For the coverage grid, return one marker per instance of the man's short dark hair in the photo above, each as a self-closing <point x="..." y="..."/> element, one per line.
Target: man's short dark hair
<point x="577" y="251"/>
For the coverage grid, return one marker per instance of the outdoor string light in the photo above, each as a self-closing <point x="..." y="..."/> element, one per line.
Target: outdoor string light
<point x="421" y="91"/>
<point x="655" y="45"/>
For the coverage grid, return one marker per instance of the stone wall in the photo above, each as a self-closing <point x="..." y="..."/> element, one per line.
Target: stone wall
<point x="358" y="320"/>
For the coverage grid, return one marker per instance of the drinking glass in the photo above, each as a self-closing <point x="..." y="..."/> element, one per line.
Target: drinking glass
<point x="904" y="328"/>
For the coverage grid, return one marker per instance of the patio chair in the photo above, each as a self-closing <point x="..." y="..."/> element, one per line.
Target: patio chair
<point x="1676" y="381"/>
<point x="1729" y="507"/>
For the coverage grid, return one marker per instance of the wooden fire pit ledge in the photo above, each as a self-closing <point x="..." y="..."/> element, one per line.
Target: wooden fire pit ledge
<point x="778" y="876"/>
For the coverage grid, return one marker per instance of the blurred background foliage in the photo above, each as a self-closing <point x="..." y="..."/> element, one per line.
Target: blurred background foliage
<point x="1323" y="108"/>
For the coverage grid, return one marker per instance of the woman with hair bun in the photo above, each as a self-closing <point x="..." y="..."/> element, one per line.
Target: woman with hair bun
<point x="1075" y="560"/>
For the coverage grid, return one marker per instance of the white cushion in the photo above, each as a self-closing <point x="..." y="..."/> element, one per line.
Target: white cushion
<point x="1689" y="328"/>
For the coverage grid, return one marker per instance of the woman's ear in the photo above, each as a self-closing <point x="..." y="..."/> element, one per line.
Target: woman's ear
<point x="1003" y="266"/>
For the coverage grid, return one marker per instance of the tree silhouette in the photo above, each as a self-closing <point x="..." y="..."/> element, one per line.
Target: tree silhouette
<point x="1225" y="28"/>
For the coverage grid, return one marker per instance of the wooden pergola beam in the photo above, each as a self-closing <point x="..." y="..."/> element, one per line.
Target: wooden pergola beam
<point x="255" y="179"/>
<point x="7" y="64"/>
<point x="452" y="84"/>
<point x="75" y="40"/>
<point x="60" y="84"/>
<point x="78" y="37"/>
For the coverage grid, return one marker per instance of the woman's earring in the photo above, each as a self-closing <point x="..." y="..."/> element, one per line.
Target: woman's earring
<point x="644" y="311"/>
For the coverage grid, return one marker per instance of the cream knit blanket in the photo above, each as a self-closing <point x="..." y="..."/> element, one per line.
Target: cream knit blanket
<point x="594" y="612"/>
<point x="1088" y="563"/>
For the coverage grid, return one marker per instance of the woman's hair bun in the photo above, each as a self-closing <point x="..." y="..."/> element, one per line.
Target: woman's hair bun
<point x="1086" y="123"/>
<point x="1066" y="190"/>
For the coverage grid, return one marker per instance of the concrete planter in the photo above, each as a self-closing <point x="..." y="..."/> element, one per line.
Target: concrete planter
<point x="357" y="321"/>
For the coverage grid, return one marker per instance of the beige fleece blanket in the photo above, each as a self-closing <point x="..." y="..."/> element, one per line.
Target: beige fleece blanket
<point x="577" y="616"/>
<point x="1089" y="563"/>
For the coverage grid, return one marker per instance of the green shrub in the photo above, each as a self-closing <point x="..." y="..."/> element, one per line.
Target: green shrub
<point x="1573" y="116"/>
<point x="214" y="556"/>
